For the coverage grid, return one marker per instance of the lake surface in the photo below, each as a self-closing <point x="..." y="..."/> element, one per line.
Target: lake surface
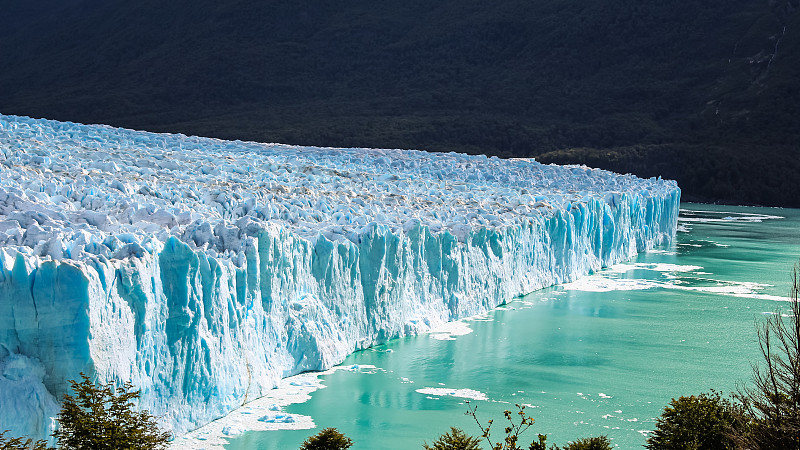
<point x="603" y="355"/>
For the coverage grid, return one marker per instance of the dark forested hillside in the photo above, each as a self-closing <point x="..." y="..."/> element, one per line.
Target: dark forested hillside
<point x="702" y="92"/>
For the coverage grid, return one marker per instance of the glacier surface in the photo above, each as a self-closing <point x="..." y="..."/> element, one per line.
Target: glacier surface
<point x="204" y="271"/>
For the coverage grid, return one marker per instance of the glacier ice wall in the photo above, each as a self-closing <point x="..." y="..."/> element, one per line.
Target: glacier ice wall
<point x="205" y="270"/>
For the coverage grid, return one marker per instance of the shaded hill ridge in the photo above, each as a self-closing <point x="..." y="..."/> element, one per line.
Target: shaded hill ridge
<point x="706" y="93"/>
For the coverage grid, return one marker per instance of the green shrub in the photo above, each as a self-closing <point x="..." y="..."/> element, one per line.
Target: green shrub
<point x="327" y="439"/>
<point x="698" y="422"/>
<point x="455" y="439"/>
<point x="592" y="443"/>
<point x="102" y="418"/>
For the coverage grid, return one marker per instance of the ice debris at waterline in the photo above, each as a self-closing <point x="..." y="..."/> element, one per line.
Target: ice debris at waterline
<point x="205" y="270"/>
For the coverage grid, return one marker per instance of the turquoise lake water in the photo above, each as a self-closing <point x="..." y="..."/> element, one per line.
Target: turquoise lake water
<point x="600" y="356"/>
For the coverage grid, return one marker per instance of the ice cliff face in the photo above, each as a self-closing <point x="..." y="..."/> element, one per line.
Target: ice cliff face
<point x="205" y="270"/>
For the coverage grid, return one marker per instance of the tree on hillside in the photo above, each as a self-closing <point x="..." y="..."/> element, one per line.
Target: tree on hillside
<point x="774" y="398"/>
<point x="103" y="418"/>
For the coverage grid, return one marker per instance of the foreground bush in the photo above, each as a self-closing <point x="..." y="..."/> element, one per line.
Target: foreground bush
<point x="102" y="418"/>
<point x="455" y="439"/>
<point x="701" y="422"/>
<point x="592" y="443"/>
<point x="327" y="439"/>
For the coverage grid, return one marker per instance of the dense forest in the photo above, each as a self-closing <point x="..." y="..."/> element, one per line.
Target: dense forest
<point x="706" y="93"/>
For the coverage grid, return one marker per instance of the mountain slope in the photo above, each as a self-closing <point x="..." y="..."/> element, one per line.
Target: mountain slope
<point x="696" y="92"/>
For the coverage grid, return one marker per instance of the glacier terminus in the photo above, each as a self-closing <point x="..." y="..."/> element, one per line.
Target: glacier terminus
<point x="204" y="271"/>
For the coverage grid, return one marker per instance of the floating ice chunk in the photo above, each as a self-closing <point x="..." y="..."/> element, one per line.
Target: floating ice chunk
<point x="460" y="393"/>
<point x="277" y="418"/>
<point x="599" y="283"/>
<point x="231" y="431"/>
<point x="657" y="267"/>
<point x="605" y="282"/>
<point x="447" y="331"/>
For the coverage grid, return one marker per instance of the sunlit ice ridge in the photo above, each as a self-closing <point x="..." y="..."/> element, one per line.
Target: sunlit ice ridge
<point x="205" y="270"/>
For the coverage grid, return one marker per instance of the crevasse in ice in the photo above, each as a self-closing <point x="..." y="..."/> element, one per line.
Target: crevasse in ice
<point x="205" y="270"/>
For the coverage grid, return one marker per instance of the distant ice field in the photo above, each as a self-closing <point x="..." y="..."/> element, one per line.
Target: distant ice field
<point x="205" y="271"/>
<point x="73" y="191"/>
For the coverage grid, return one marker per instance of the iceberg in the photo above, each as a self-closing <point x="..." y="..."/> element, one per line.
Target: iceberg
<point x="204" y="270"/>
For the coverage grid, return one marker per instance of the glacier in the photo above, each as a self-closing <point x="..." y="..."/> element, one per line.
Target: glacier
<point x="204" y="270"/>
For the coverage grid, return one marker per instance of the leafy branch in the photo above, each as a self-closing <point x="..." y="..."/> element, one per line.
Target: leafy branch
<point x="512" y="431"/>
